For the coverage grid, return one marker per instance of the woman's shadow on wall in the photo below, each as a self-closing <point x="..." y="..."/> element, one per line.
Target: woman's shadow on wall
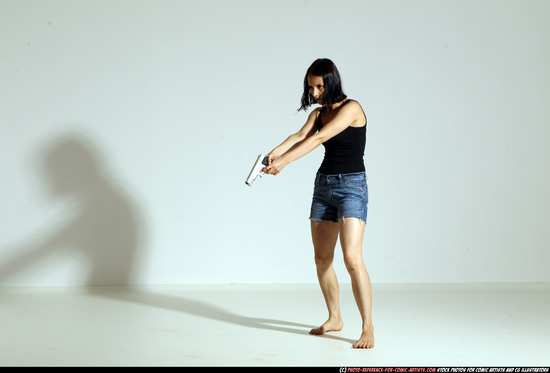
<point x="100" y="227"/>
<point x="105" y="231"/>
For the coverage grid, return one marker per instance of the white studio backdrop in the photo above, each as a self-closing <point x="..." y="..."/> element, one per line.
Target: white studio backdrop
<point x="129" y="127"/>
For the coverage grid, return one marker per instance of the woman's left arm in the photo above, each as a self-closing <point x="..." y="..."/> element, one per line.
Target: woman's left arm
<point x="346" y="116"/>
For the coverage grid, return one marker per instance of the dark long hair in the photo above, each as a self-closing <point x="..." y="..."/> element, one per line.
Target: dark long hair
<point x="326" y="69"/>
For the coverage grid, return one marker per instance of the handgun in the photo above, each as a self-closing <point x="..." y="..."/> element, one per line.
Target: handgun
<point x="259" y="165"/>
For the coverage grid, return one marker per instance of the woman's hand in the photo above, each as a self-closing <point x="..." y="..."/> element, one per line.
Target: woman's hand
<point x="270" y="157"/>
<point x="275" y="164"/>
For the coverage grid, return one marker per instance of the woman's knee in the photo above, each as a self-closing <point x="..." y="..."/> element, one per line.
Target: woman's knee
<point x="323" y="261"/>
<point x="353" y="263"/>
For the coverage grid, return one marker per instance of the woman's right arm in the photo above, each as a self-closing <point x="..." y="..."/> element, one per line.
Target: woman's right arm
<point x="306" y="131"/>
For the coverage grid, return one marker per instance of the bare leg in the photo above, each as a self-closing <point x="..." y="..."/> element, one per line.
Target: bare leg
<point x="351" y="238"/>
<point x="325" y="235"/>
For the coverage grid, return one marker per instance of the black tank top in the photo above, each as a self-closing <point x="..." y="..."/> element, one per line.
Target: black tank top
<point x="343" y="152"/>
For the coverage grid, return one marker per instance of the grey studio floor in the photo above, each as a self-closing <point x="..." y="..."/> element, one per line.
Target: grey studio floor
<point x="267" y="325"/>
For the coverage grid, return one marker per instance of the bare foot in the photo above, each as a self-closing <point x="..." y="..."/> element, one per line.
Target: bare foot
<point x="332" y="325"/>
<point x="366" y="340"/>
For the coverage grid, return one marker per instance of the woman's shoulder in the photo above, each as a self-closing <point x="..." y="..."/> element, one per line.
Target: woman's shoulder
<point x="355" y="110"/>
<point x="353" y="103"/>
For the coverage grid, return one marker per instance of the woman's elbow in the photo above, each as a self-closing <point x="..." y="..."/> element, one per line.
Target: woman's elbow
<point x="318" y="139"/>
<point x="313" y="142"/>
<point x="300" y="136"/>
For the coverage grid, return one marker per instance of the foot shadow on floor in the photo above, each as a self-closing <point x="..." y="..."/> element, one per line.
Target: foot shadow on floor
<point x="136" y="295"/>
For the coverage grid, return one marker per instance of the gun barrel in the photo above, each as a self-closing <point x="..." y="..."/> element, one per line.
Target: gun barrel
<point x="260" y="163"/>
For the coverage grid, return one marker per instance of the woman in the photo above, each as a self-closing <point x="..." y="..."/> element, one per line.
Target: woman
<point x="339" y="206"/>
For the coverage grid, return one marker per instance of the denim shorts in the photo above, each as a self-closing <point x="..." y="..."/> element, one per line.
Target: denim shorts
<point x="340" y="196"/>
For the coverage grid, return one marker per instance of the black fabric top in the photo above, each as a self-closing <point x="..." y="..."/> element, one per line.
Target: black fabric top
<point x="344" y="152"/>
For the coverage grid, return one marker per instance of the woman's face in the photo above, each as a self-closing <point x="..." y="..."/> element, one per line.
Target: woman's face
<point x="316" y="87"/>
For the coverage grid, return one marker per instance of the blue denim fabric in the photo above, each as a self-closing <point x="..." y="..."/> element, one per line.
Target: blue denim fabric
<point x="340" y="196"/>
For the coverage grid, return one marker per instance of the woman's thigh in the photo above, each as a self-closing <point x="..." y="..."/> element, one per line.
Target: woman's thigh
<point x="324" y="235"/>
<point x="351" y="238"/>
